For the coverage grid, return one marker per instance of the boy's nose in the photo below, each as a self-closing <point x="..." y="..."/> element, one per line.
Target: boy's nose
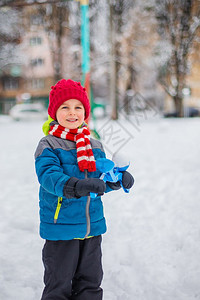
<point x="72" y="111"/>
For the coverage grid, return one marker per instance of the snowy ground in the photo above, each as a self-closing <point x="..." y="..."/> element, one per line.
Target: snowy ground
<point x="152" y="248"/>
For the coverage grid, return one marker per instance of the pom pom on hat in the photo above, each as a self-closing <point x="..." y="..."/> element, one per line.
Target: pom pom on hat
<point x="64" y="90"/>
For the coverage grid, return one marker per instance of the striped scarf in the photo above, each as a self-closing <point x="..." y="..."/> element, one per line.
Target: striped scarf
<point x="81" y="136"/>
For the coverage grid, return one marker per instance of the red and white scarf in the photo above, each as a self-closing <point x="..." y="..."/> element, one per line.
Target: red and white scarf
<point x="81" y="136"/>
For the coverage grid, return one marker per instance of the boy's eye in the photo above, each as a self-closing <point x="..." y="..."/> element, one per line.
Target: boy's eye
<point x="67" y="107"/>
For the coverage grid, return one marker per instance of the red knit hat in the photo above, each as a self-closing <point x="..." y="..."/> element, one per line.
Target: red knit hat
<point x="64" y="90"/>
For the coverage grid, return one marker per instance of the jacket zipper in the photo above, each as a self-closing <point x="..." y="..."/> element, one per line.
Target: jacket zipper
<point x="87" y="210"/>
<point x="58" y="209"/>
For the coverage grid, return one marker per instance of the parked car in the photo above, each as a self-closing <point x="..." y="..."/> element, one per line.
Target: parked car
<point x="28" y="111"/>
<point x="188" y="112"/>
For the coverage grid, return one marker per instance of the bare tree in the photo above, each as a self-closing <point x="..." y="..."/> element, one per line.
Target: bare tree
<point x="56" y="25"/>
<point x="178" y="23"/>
<point x="118" y="18"/>
<point x="9" y="36"/>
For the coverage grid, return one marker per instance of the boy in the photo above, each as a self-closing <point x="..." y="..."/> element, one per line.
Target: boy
<point x="72" y="263"/>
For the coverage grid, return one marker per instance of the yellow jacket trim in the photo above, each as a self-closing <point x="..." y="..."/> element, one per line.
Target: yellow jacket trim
<point x="57" y="209"/>
<point x="88" y="237"/>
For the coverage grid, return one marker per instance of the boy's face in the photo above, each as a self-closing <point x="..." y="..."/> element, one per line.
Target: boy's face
<point x="71" y="114"/>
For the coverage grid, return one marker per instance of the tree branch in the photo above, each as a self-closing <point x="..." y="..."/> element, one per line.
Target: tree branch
<point x="24" y="3"/>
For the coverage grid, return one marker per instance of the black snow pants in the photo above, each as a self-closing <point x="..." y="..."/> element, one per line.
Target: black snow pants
<point x="73" y="269"/>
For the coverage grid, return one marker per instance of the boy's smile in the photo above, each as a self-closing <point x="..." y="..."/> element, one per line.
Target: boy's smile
<point x="71" y="114"/>
<point x="72" y="120"/>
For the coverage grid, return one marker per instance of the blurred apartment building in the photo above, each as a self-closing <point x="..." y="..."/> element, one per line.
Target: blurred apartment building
<point x="194" y="79"/>
<point x="192" y="92"/>
<point x="32" y="79"/>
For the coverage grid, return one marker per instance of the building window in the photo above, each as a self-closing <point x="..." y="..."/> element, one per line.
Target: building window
<point x="10" y="83"/>
<point x="36" y="40"/>
<point x="37" y="83"/>
<point x="37" y="62"/>
<point x="36" y="20"/>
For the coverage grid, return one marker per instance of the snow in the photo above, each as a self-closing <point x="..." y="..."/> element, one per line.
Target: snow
<point x="151" y="248"/>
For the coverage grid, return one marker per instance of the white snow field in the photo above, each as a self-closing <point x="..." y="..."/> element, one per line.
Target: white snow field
<point x="151" y="250"/>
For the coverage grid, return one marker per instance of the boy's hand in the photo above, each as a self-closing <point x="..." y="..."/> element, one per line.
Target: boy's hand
<point x="127" y="180"/>
<point x="76" y="188"/>
<point x="84" y="187"/>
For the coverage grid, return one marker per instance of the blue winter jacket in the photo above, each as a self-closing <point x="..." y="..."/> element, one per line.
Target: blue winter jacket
<point x="56" y="162"/>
